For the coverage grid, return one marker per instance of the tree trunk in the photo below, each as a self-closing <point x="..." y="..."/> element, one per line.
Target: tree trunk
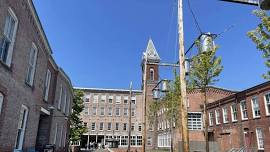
<point x="205" y="122"/>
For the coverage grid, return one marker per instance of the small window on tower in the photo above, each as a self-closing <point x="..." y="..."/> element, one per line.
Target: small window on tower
<point x="152" y="74"/>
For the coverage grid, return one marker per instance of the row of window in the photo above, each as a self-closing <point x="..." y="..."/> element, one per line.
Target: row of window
<point x="109" y="111"/>
<point x="116" y="126"/>
<point x="109" y="99"/>
<point x="255" y="106"/>
<point x="59" y="136"/>
<point x="194" y="122"/>
<point x="123" y="140"/>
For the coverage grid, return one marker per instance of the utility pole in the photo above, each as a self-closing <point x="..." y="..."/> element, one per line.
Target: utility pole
<point x="144" y="99"/>
<point x="183" y="100"/>
<point x="129" y="116"/>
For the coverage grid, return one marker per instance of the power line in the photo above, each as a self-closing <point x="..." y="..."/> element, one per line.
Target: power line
<point x="194" y="17"/>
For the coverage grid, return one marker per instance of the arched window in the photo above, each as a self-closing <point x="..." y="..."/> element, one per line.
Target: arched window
<point x="1" y="101"/>
<point x="152" y="74"/>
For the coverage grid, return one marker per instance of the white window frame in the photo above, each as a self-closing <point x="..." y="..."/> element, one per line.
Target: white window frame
<point x="31" y="68"/>
<point x="118" y="100"/>
<point x="110" y="98"/>
<point x="217" y="115"/>
<point x="95" y="99"/>
<point x="86" y="110"/>
<point x="93" y="126"/>
<point x="118" y="110"/>
<point x="103" y="99"/>
<point x="47" y="84"/>
<point x="252" y="104"/>
<point x="1" y="101"/>
<point x="117" y="126"/>
<point x="101" y="124"/>
<point x="60" y="97"/>
<point x="225" y="115"/>
<point x="133" y="100"/>
<point x="191" y="127"/>
<point x="242" y="110"/>
<point x="68" y="104"/>
<point x="260" y="138"/>
<point x="233" y="112"/>
<point x="55" y="133"/>
<point x="211" y="118"/>
<point x="61" y="136"/>
<point x="133" y="112"/>
<point x="267" y="111"/>
<point x="125" y="99"/>
<point x="22" y="125"/>
<point x="12" y="41"/>
<point x="65" y="100"/>
<point x="109" y="128"/>
<point x="110" y="111"/>
<point x="125" y="111"/>
<point x="102" y="110"/>
<point x="94" y="111"/>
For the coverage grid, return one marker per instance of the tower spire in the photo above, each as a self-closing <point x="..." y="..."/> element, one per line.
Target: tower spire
<point x="152" y="55"/>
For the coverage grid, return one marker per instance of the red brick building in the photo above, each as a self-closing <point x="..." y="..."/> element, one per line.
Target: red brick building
<point x="241" y="120"/>
<point x="35" y="94"/>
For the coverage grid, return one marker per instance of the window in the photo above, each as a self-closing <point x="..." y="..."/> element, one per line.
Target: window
<point x="95" y="99"/>
<point x="110" y="99"/>
<point x="87" y="99"/>
<point x="94" y="111"/>
<point x="255" y="107"/>
<point x="225" y="115"/>
<point x="21" y="127"/>
<point x="86" y="111"/>
<point x="8" y="37"/>
<point x="65" y="100"/>
<point x="118" y="100"/>
<point x="194" y="121"/>
<point x="125" y="111"/>
<point x="55" y="133"/>
<point x="133" y="100"/>
<point x="267" y="103"/>
<point x="260" y="139"/>
<point x="217" y="117"/>
<point x="211" y="118"/>
<point x="102" y="111"/>
<point x="152" y="74"/>
<point x="93" y="126"/>
<point x="125" y="126"/>
<point x="109" y="126"/>
<point x="101" y="126"/>
<point x="60" y="97"/>
<point x="103" y="98"/>
<point x="110" y="111"/>
<point x="124" y="140"/>
<point x="117" y="111"/>
<point x="47" y="84"/>
<point x="126" y="100"/>
<point x="139" y="140"/>
<point x="244" y="112"/>
<point x="149" y="141"/>
<point x="117" y="126"/>
<point x="140" y="127"/>
<point x="234" y="112"/>
<point x="68" y="104"/>
<point x="132" y="126"/>
<point x="132" y="112"/>
<point x="132" y="140"/>
<point x="31" y="65"/>
<point x="85" y="124"/>
<point x="1" y="101"/>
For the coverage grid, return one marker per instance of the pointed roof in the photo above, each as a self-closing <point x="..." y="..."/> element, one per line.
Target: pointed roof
<point x="151" y="52"/>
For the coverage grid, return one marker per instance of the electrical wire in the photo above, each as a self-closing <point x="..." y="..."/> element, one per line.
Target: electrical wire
<point x="194" y="17"/>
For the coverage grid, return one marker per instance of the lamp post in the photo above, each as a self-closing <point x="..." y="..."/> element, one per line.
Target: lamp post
<point x="129" y="121"/>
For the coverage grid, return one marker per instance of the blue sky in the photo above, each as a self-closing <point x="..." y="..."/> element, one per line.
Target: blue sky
<point x="99" y="43"/>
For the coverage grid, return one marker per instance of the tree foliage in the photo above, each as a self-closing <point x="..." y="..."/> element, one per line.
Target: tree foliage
<point x="261" y="37"/>
<point x="76" y="126"/>
<point x="205" y="68"/>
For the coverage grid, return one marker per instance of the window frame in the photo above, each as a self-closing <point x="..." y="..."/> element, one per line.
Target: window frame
<point x="47" y="85"/>
<point x="12" y="41"/>
<point x="192" y="122"/>
<point x="233" y="113"/>
<point x="2" y="97"/>
<point x="30" y="75"/>
<point x="255" y="98"/>
<point x="267" y="111"/>
<point x="260" y="138"/>
<point x="152" y="74"/>
<point x="211" y="118"/>
<point x="217" y="116"/>
<point x="243" y="110"/>
<point x="225" y="115"/>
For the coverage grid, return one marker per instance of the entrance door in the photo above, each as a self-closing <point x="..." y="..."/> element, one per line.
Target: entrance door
<point x="247" y="140"/>
<point x="43" y="131"/>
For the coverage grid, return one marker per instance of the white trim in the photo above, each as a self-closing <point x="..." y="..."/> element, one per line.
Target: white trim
<point x="252" y="105"/>
<point x="223" y="114"/>
<point x="211" y="123"/>
<point x="258" y="138"/>
<point x="24" y="119"/>
<point x="61" y="136"/>
<point x="65" y="101"/>
<point x="11" y="48"/>
<point x="60" y="97"/>
<point x="232" y="113"/>
<point x="267" y="112"/>
<point x="45" y="111"/>
<point x="1" y="101"/>
<point x="104" y="89"/>
<point x="31" y="74"/>
<point x="47" y="84"/>
<point x="217" y="122"/>
<point x="55" y="133"/>
<point x="241" y="108"/>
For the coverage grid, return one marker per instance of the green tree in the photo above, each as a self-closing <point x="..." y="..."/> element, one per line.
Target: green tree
<point x="205" y="68"/>
<point x="170" y="104"/>
<point x="76" y="126"/>
<point x="261" y="37"/>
